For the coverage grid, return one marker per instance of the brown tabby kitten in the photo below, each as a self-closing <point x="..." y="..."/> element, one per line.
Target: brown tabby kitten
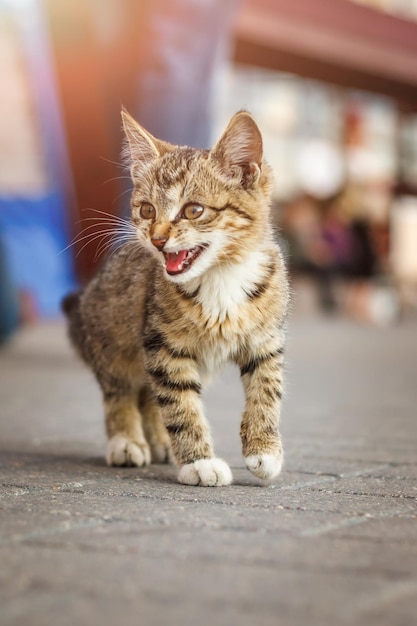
<point x="204" y="284"/>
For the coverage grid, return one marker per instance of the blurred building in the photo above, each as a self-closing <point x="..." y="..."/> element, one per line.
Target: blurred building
<point x="333" y="84"/>
<point x="402" y="8"/>
<point x="34" y="206"/>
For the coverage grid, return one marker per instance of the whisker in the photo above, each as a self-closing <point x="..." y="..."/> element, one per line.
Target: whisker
<point x="126" y="226"/>
<point x="121" y="194"/>
<point x="100" y="225"/>
<point x="110" y="180"/>
<point x="131" y="243"/>
<point x="103" y="231"/>
<point x="102" y="248"/>
<point x="134" y="245"/>
<point x="93" y="236"/>
<point x="86" y="244"/>
<point x="120" y="165"/>
<point x="107" y="216"/>
<point x="116" y="242"/>
<point x="102" y="234"/>
<point x="110" y="215"/>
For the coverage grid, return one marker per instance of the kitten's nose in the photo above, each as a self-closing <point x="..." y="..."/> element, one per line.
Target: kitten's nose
<point x="159" y="242"/>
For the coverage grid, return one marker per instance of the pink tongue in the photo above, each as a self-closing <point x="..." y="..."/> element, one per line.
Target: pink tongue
<point x="174" y="261"/>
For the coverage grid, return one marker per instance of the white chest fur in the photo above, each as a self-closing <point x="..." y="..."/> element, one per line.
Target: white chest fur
<point x="224" y="288"/>
<point x="223" y="291"/>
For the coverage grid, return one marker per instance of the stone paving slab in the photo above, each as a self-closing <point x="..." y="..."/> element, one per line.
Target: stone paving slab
<point x="150" y="584"/>
<point x="332" y="541"/>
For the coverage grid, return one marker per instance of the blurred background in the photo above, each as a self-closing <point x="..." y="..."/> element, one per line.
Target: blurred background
<point x="332" y="83"/>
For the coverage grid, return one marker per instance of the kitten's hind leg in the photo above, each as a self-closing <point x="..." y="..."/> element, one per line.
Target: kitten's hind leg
<point x="127" y="444"/>
<point x="155" y="431"/>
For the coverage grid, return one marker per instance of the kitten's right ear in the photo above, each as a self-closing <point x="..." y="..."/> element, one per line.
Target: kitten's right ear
<point x="141" y="148"/>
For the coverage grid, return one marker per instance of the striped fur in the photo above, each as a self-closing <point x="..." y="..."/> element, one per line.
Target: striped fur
<point x="153" y="336"/>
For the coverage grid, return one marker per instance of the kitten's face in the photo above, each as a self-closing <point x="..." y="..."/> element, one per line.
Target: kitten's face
<point x="195" y="209"/>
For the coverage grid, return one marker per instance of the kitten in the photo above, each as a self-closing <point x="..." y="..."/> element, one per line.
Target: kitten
<point x="204" y="284"/>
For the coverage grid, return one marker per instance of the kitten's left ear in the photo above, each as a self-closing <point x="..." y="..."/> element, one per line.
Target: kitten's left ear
<point x="239" y="150"/>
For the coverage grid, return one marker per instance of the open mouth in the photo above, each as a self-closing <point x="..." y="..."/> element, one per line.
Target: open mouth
<point x="181" y="261"/>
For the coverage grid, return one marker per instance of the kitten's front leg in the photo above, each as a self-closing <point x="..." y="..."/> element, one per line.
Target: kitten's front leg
<point x="261" y="372"/>
<point x="176" y="386"/>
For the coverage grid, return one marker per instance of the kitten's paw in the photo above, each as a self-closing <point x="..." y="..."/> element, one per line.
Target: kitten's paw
<point x="206" y="472"/>
<point x="124" y="451"/>
<point x="161" y="453"/>
<point x="265" y="466"/>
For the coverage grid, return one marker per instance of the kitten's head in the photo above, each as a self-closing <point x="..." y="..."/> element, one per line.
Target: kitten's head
<point x="198" y="209"/>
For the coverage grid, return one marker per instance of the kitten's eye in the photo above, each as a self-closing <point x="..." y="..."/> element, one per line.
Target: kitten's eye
<point x="147" y="211"/>
<point x="192" y="211"/>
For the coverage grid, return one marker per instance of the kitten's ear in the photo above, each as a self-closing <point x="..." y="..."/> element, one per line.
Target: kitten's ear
<point x="141" y="144"/>
<point x="239" y="150"/>
<point x="141" y="147"/>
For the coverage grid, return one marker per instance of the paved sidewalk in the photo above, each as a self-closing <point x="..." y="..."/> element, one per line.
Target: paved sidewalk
<point x="332" y="542"/>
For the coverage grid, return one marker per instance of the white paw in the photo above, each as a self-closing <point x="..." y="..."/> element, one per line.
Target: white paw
<point x="206" y="472"/>
<point x="264" y="466"/>
<point x="124" y="451"/>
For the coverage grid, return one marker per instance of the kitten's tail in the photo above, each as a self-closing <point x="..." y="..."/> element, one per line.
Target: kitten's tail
<point x="70" y="303"/>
